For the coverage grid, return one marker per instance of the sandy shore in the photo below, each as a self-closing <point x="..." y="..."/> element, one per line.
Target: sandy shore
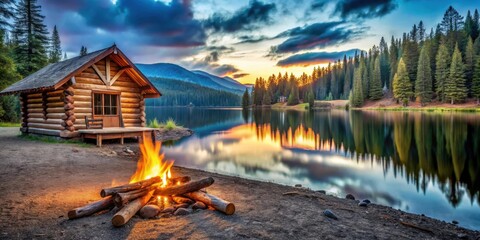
<point x="40" y="182"/>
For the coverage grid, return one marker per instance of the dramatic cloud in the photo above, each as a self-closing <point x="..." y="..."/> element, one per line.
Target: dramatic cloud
<point x="222" y="49"/>
<point x="252" y="39"/>
<point x="153" y="23"/>
<point x="255" y="15"/>
<point x="312" y="58"/>
<point x="364" y="8"/>
<point x="318" y="35"/>
<point x="240" y="75"/>
<point x="210" y="64"/>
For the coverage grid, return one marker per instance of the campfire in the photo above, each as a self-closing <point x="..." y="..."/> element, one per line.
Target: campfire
<point x="152" y="192"/>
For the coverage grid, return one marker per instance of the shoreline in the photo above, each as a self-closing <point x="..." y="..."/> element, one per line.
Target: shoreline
<point x="264" y="210"/>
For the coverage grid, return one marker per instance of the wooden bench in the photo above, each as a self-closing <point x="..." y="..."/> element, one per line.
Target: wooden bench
<point x="93" y="123"/>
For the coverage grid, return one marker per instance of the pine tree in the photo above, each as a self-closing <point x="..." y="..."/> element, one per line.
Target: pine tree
<point x="357" y="91"/>
<point x="476" y="25"/>
<point x="364" y="76"/>
<point x="245" y="99"/>
<point x="30" y="36"/>
<point x="83" y="51"/>
<point x="476" y="81"/>
<point x="423" y="83"/>
<point x="470" y="26"/>
<point x="310" y="98"/>
<point x="293" y="98"/>
<point x="65" y="56"/>
<point x="348" y="81"/>
<point x="6" y="14"/>
<point x="455" y="89"/>
<point x="442" y="71"/>
<point x="393" y="61"/>
<point x="266" y="99"/>
<point x="55" y="54"/>
<point x="384" y="63"/>
<point x="402" y="87"/>
<point x="469" y="63"/>
<point x="376" y="83"/>
<point x="410" y="57"/>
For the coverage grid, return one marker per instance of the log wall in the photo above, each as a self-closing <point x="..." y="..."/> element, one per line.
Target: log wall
<point x="131" y="100"/>
<point x="42" y="112"/>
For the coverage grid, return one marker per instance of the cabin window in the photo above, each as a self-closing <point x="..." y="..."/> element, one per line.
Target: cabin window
<point x="105" y="104"/>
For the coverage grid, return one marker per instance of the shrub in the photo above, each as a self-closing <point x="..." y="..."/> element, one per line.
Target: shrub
<point x="170" y="124"/>
<point x="154" y="123"/>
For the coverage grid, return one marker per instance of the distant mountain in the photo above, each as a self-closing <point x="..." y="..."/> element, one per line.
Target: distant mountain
<point x="225" y="81"/>
<point x="182" y="93"/>
<point x="172" y="71"/>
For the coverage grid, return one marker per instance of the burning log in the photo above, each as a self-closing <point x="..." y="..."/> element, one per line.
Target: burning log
<point x="127" y="212"/>
<point x="180" y="200"/>
<point x="213" y="201"/>
<point x="185" y="188"/>
<point x="130" y="187"/>
<point x="91" y="208"/>
<point x="121" y="199"/>
<point x="178" y="180"/>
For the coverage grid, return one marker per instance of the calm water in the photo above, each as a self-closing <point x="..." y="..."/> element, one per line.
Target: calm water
<point x="419" y="162"/>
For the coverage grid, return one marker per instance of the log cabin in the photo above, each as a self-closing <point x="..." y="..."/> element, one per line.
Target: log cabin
<point x="100" y="95"/>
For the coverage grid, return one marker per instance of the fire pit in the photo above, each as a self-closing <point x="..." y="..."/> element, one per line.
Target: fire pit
<point x="152" y="192"/>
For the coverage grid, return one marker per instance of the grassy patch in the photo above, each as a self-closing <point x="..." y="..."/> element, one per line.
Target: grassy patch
<point x="154" y="123"/>
<point x="170" y="124"/>
<point x="9" y="124"/>
<point x="53" y="140"/>
<point x="301" y="106"/>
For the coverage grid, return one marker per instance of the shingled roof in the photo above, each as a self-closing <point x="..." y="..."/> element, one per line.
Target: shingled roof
<point x="56" y="74"/>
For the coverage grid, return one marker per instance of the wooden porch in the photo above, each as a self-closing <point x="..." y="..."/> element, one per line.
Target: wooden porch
<point x="115" y="133"/>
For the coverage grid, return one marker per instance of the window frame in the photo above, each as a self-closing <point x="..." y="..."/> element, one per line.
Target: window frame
<point x="103" y="93"/>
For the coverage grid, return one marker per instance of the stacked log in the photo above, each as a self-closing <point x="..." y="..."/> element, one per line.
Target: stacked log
<point x="69" y="109"/>
<point x="24" y="112"/>
<point x="142" y="112"/>
<point x="149" y="199"/>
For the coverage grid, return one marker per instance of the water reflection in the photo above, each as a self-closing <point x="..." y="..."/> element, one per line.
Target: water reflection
<point x="420" y="162"/>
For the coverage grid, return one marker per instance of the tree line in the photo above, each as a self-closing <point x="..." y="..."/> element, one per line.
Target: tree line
<point x="25" y="47"/>
<point x="180" y="93"/>
<point x="442" y="65"/>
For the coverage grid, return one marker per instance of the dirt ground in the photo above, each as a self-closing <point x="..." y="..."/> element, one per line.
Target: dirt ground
<point x="40" y="182"/>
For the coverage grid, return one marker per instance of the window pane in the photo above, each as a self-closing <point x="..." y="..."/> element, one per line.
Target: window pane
<point x="98" y="110"/>
<point x="114" y="101"/>
<point x="97" y="103"/>
<point x="114" y="111"/>
<point x="106" y="100"/>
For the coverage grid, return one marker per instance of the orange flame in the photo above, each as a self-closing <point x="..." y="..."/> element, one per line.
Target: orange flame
<point x="151" y="162"/>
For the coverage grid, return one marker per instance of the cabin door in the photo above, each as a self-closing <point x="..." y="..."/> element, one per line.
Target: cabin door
<point x="106" y="107"/>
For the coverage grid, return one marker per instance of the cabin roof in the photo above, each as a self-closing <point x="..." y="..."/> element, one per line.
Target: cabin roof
<point x="54" y="75"/>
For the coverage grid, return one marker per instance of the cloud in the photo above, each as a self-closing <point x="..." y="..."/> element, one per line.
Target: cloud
<point x="210" y="63"/>
<point x="152" y="23"/>
<point x="364" y="8"/>
<point x="240" y="75"/>
<point x="312" y="58"/>
<point x="317" y="35"/>
<point x="255" y="15"/>
<point x="222" y="49"/>
<point x="252" y="39"/>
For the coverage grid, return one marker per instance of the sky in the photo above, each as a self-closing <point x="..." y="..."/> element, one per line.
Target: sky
<point x="243" y="39"/>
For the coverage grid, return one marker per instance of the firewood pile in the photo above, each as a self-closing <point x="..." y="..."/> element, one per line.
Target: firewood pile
<point x="149" y="199"/>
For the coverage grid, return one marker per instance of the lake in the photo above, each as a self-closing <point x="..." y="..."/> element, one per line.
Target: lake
<point x="419" y="162"/>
